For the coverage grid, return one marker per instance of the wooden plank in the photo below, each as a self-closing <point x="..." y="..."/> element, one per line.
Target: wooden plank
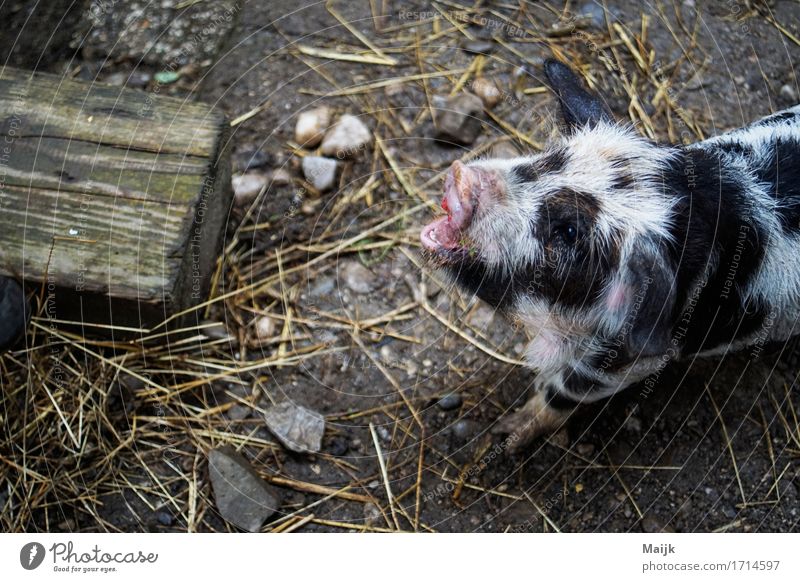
<point x="115" y="208"/>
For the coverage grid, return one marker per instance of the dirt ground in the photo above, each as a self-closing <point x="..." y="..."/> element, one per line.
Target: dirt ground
<point x="715" y="447"/>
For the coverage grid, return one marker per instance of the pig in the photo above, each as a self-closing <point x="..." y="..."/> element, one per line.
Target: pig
<point x="618" y="255"/>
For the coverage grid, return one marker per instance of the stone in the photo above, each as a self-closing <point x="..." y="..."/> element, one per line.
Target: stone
<point x="595" y="13"/>
<point x="478" y="47"/>
<point x="372" y="514"/>
<point x="505" y="150"/>
<point x="250" y="159"/>
<point x="320" y="172"/>
<point x="357" y="277"/>
<point x="346" y="138"/>
<point x="265" y="327"/>
<point x="450" y="401"/>
<point x="338" y="446"/>
<point x="459" y="119"/>
<point x="651" y="524"/>
<point x="215" y="330"/>
<point x="165" y="518"/>
<point x="243" y="498"/>
<point x="487" y="92"/>
<point x="246" y="187"/>
<point x="281" y="177"/>
<point x="311" y="126"/>
<point x="464" y="429"/>
<point x="788" y="93"/>
<point x="297" y="428"/>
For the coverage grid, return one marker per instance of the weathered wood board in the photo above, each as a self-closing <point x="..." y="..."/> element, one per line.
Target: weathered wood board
<point x="111" y="199"/>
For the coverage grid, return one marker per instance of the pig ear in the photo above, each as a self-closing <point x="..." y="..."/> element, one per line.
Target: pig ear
<point x="645" y="297"/>
<point x="579" y="107"/>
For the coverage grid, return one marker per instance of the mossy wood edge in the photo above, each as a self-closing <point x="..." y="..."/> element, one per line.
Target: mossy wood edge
<point x="112" y="201"/>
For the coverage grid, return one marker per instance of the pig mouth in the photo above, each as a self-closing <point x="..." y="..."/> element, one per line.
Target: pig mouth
<point x="447" y="234"/>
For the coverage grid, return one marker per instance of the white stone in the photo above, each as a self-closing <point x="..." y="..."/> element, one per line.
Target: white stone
<point x="346" y="137"/>
<point x="265" y="327"/>
<point x="247" y="186"/>
<point x="320" y="172"/>
<point x="311" y="126"/>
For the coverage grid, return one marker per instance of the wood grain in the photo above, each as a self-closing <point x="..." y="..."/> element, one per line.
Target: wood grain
<point x="110" y="194"/>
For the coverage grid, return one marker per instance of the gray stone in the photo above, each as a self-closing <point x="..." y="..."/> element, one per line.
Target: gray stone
<point x="297" y="428"/>
<point x="346" y="138"/>
<point x="357" y="277"/>
<point x="243" y="498"/>
<point x="320" y="172"/>
<point x="459" y="119"/>
<point x="595" y="13"/>
<point x="450" y="401"/>
<point x="478" y="47"/>
<point x="651" y="524"/>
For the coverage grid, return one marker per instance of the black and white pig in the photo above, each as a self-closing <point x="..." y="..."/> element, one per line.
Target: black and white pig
<point x="619" y="255"/>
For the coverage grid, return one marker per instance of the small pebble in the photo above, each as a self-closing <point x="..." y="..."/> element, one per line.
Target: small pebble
<point x="478" y="47"/>
<point x="338" y="446"/>
<point x="372" y="515"/>
<point x="450" y="401"/>
<point x="464" y="429"/>
<point x="487" y="91"/>
<point x="250" y="159"/>
<point x="311" y="126"/>
<point x="505" y="150"/>
<point x="459" y="119"/>
<point x="214" y="330"/>
<point x="346" y="138"/>
<point x="788" y="92"/>
<point x="651" y="524"/>
<point x="246" y="187"/>
<point x="265" y="327"/>
<point x="357" y="277"/>
<point x="596" y="14"/>
<point x="165" y="518"/>
<point x="320" y="172"/>
<point x="281" y="177"/>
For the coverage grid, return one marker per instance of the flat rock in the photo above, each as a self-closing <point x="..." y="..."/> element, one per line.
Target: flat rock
<point x="311" y="126"/>
<point x="243" y="498"/>
<point x="346" y="137"/>
<point x="297" y="428"/>
<point x="320" y="172"/>
<point x="459" y="119"/>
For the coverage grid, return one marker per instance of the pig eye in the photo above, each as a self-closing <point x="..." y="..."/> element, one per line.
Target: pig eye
<point x="566" y="232"/>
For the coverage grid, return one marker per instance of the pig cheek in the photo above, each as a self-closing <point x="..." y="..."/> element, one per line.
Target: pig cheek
<point x="617" y="297"/>
<point x="545" y="351"/>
